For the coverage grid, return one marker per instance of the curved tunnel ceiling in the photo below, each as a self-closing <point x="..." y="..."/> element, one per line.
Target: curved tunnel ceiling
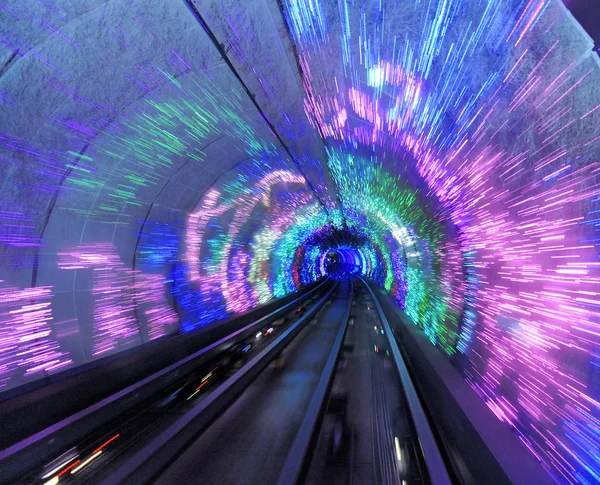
<point x="168" y="164"/>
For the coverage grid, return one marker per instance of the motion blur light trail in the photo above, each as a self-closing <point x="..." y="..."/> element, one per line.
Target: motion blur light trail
<point x="494" y="105"/>
<point x="157" y="180"/>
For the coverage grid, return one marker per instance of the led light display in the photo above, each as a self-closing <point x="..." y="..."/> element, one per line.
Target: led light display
<point x="156" y="180"/>
<point x="494" y="106"/>
<point x="26" y="343"/>
<point x="240" y="262"/>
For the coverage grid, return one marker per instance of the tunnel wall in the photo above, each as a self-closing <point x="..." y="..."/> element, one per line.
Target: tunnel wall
<point x="168" y="164"/>
<point x="114" y="125"/>
<point x="68" y="392"/>
<point x="494" y="107"/>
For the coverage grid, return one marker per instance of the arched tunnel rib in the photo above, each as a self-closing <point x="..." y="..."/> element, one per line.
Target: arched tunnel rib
<point x="192" y="6"/>
<point x="446" y="152"/>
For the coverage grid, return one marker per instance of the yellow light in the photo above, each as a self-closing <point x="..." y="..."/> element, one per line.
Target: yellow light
<point x="80" y="466"/>
<point x="398" y="450"/>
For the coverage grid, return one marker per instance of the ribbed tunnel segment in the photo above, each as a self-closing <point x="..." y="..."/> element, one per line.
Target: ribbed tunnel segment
<point x="169" y="165"/>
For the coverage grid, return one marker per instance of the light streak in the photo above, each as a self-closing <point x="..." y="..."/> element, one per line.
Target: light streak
<point x="462" y="143"/>
<point x="57" y="468"/>
<point x="86" y="462"/>
<point x="503" y="139"/>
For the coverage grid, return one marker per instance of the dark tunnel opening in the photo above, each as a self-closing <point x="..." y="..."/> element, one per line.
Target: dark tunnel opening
<point x="343" y="262"/>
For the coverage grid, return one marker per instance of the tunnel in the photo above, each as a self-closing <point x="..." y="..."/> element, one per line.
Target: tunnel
<point x="175" y="169"/>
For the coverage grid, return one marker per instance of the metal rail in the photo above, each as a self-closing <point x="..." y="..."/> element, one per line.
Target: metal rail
<point x="436" y="467"/>
<point x="35" y="446"/>
<point x="297" y="457"/>
<point x="147" y="463"/>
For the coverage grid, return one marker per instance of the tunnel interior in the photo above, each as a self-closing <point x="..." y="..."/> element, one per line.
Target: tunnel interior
<point x="167" y="165"/>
